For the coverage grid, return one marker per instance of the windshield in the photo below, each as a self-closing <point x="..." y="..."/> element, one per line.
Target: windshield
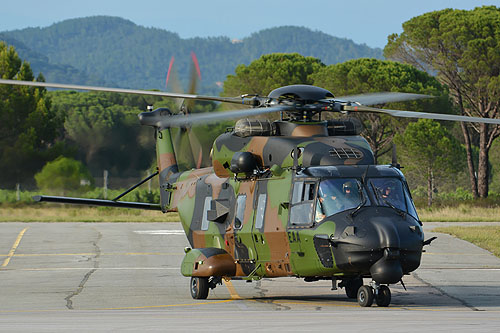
<point x="391" y="191"/>
<point x="336" y="195"/>
<point x="340" y="194"/>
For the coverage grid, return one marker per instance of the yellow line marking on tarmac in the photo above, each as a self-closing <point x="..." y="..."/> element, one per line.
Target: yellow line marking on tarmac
<point x="124" y="307"/>
<point x="332" y="303"/>
<point x="14" y="247"/>
<point x="93" y="254"/>
<point x="55" y="269"/>
<point x="166" y="306"/>
<point x="457" y="254"/>
<point x="232" y="290"/>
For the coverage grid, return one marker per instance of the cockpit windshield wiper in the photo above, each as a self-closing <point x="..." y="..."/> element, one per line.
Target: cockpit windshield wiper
<point x="361" y="204"/>
<point x="380" y="198"/>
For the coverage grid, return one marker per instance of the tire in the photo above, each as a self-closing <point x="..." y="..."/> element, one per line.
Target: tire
<point x="384" y="296"/>
<point x="365" y="296"/>
<point x="352" y="286"/>
<point x="199" y="287"/>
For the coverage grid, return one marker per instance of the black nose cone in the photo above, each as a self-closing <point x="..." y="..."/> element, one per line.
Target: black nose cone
<point x="387" y="270"/>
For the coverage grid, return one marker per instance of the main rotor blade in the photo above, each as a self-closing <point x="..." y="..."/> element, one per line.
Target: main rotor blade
<point x="194" y="77"/>
<point x="381" y="98"/>
<point x="236" y="100"/>
<point x="152" y="119"/>
<point x="414" y="114"/>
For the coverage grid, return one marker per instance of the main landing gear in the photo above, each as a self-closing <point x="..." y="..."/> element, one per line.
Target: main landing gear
<point x="367" y="294"/>
<point x="200" y="286"/>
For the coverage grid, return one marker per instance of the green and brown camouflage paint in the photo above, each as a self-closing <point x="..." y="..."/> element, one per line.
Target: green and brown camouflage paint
<point x="273" y="249"/>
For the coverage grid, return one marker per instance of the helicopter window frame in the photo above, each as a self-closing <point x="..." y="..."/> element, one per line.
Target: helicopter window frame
<point x="206" y="207"/>
<point x="342" y="203"/>
<point x="380" y="202"/>
<point x="261" y="210"/>
<point x="302" y="201"/>
<point x="412" y="210"/>
<point x="239" y="217"/>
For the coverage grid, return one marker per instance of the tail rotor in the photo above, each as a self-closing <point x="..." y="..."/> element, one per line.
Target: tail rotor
<point x="188" y="146"/>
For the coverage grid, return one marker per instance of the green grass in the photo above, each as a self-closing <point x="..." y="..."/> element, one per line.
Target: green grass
<point x="460" y="213"/>
<point x="59" y="213"/>
<point x="486" y="237"/>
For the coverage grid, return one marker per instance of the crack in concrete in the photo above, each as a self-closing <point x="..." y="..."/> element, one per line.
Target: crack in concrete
<point x="86" y="277"/>
<point x="461" y="301"/>
<point x="275" y="303"/>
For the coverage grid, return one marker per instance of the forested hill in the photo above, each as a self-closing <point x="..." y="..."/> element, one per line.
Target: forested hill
<point x="114" y="51"/>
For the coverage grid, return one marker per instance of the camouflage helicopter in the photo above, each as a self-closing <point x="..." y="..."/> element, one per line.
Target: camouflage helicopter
<point x="298" y="197"/>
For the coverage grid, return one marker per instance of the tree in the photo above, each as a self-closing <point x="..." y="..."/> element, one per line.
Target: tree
<point x="28" y="126"/>
<point x="64" y="174"/>
<point x="106" y="130"/>
<point x="373" y="75"/>
<point x="463" y="48"/>
<point x="269" y="72"/>
<point x="430" y="150"/>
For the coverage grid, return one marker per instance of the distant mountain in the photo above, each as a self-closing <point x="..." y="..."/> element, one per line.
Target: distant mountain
<point x="52" y="72"/>
<point x="114" y="51"/>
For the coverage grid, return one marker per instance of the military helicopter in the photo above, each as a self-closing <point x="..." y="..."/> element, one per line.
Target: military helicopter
<point x="298" y="197"/>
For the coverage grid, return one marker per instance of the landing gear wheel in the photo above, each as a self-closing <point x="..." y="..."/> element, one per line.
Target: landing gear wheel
<point x="199" y="287"/>
<point x="383" y="298"/>
<point x="352" y="286"/>
<point x="365" y="296"/>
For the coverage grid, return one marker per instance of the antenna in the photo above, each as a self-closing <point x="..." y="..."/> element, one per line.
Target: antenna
<point x="394" y="162"/>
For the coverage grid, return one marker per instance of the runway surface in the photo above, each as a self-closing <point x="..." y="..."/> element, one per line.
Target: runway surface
<point x="126" y="277"/>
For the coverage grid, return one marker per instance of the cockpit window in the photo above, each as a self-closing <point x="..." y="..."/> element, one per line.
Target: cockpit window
<point x="336" y="195"/>
<point x="339" y="194"/>
<point x="391" y="191"/>
<point x="302" y="203"/>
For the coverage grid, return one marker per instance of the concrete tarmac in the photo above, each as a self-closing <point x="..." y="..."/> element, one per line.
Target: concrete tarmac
<point x="126" y="277"/>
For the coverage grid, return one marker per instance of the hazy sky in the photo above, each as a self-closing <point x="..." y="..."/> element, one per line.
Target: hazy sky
<point x="363" y="21"/>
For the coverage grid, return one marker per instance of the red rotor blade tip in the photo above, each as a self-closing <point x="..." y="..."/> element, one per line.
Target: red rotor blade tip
<point x="169" y="69"/>
<point x="196" y="65"/>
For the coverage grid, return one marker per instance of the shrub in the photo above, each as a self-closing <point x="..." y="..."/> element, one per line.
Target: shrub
<point x="64" y="174"/>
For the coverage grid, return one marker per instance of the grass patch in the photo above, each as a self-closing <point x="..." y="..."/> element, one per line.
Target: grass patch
<point x="460" y="213"/>
<point x="59" y="213"/>
<point x="486" y="237"/>
<point x="46" y="212"/>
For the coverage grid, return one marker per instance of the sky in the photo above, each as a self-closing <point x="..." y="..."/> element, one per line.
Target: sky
<point x="364" y="21"/>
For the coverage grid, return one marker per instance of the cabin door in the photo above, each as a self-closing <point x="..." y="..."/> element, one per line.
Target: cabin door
<point x="244" y="247"/>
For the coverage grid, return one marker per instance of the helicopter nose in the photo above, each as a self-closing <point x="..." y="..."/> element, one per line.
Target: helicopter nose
<point x="387" y="269"/>
<point x="378" y="242"/>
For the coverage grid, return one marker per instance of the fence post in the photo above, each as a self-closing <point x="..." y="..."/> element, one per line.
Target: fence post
<point x="149" y="182"/>
<point x="105" y="185"/>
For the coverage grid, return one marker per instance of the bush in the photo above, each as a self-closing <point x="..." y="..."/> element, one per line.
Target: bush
<point x="64" y="174"/>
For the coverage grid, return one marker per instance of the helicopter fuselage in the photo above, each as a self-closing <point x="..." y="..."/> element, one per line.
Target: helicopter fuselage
<point x="265" y="214"/>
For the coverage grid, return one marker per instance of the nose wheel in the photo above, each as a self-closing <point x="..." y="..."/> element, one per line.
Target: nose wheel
<point x="367" y="294"/>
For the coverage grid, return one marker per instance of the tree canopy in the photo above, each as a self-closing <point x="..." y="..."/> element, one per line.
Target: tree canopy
<point x="105" y="129"/>
<point x="269" y="72"/>
<point x="430" y="151"/>
<point x="373" y="75"/>
<point x="463" y="48"/>
<point x="28" y="125"/>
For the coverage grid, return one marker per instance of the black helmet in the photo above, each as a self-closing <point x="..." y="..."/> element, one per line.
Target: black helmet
<point x="347" y="186"/>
